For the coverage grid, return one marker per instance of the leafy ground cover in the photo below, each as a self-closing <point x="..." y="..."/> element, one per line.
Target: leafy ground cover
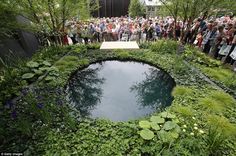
<point x="214" y="69"/>
<point x="37" y="120"/>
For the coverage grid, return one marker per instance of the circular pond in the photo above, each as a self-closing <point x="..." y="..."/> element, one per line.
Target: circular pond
<point x="120" y="91"/>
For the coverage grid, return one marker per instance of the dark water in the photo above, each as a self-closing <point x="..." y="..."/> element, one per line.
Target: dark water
<point x="120" y="91"/>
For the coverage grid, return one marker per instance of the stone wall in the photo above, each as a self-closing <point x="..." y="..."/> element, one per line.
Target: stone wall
<point x="24" y="45"/>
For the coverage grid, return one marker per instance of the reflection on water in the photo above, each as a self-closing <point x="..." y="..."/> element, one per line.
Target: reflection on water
<point x="120" y="91"/>
<point x="84" y="90"/>
<point x="154" y="91"/>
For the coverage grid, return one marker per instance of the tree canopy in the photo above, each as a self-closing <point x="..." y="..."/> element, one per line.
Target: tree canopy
<point x="8" y="22"/>
<point x="191" y="9"/>
<point x="136" y="8"/>
<point x="44" y="15"/>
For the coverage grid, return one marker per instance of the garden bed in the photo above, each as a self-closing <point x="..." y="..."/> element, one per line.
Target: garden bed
<point x="200" y="121"/>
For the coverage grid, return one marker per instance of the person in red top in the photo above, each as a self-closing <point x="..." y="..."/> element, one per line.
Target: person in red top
<point x="109" y="31"/>
<point x="199" y="39"/>
<point x="64" y="37"/>
<point x="109" y="26"/>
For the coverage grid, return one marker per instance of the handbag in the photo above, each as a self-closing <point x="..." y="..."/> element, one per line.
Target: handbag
<point x="225" y="49"/>
<point x="195" y="42"/>
<point x="233" y="54"/>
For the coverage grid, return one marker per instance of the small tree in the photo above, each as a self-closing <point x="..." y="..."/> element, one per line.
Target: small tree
<point x="47" y="16"/>
<point x="9" y="24"/>
<point x="188" y="10"/>
<point x="136" y="8"/>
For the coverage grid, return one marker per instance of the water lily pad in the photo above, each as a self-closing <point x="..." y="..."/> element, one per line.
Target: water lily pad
<point x="49" y="78"/>
<point x="157" y="119"/>
<point x="168" y="115"/>
<point x="39" y="72"/>
<point x="46" y="63"/>
<point x="32" y="64"/>
<point x="28" y="76"/>
<point x="144" y="124"/>
<point x="177" y="129"/>
<point x="165" y="136"/>
<point x="44" y="68"/>
<point x="174" y="135"/>
<point x="176" y="120"/>
<point x="53" y="69"/>
<point x="147" y="134"/>
<point x="155" y="126"/>
<point x="169" y="125"/>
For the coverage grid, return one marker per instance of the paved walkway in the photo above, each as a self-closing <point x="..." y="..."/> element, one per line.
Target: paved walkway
<point x="119" y="45"/>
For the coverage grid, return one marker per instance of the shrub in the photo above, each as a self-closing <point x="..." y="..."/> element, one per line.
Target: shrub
<point x="222" y="97"/>
<point x="179" y="66"/>
<point x="222" y="75"/>
<point x="185" y="111"/>
<point x="93" y="46"/>
<point x="217" y="102"/>
<point x="220" y="130"/>
<point x="122" y="54"/>
<point x="145" y="45"/>
<point x="164" y="46"/>
<point x="211" y="105"/>
<point x="181" y="91"/>
<point x="196" y="56"/>
<point x="66" y="62"/>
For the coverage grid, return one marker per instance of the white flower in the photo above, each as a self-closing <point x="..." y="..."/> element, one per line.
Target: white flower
<point x="195" y="128"/>
<point x="195" y="125"/>
<point x="192" y="133"/>
<point x="185" y="126"/>
<point x="57" y="5"/>
<point x="201" y="131"/>
<point x="194" y="118"/>
<point x="184" y="130"/>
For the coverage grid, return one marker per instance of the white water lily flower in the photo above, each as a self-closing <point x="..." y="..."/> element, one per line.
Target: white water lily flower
<point x="195" y="125"/>
<point x="193" y="118"/>
<point x="201" y="131"/>
<point x="195" y="128"/>
<point x="185" y="126"/>
<point x="192" y="133"/>
<point x="184" y="130"/>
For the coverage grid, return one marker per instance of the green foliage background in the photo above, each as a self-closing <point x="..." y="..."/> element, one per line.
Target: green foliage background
<point x="203" y="114"/>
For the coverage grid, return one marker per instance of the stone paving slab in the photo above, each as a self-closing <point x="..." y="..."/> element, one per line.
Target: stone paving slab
<point x="119" y="45"/>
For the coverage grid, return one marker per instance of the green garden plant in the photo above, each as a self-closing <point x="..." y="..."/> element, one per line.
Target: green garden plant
<point x="164" y="46"/>
<point x="222" y="75"/>
<point x="217" y="102"/>
<point x="42" y="123"/>
<point x="182" y="91"/>
<point x="40" y="70"/>
<point x="164" y="126"/>
<point x="220" y="129"/>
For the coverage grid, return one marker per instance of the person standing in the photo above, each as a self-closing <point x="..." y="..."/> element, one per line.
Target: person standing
<point x="233" y="45"/>
<point x="85" y="34"/>
<point x="218" y="42"/>
<point x="177" y="31"/>
<point x="73" y="33"/>
<point x="150" y="31"/>
<point x="208" y="37"/>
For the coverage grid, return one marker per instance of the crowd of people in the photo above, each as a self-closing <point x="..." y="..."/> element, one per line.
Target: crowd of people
<point x="215" y="36"/>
